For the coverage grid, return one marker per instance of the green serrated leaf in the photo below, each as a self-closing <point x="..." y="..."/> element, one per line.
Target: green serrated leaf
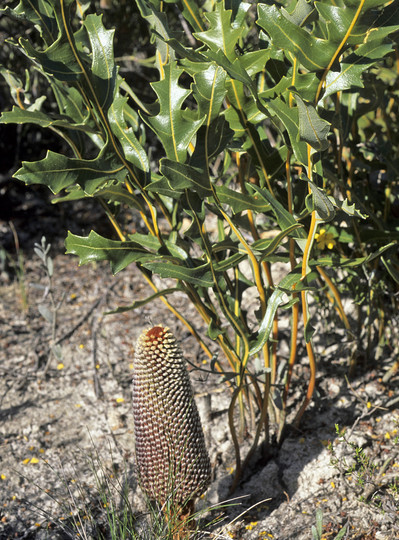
<point x="211" y="140"/>
<point x="39" y="118"/>
<point x="284" y="219"/>
<point x="239" y="202"/>
<point x="235" y="69"/>
<point x="97" y="248"/>
<point x="200" y="275"/>
<point x="181" y="177"/>
<point x="59" y="58"/>
<point x="352" y="67"/>
<point x="161" y="31"/>
<point x="272" y="305"/>
<point x="38" y="13"/>
<point x="221" y="35"/>
<point x="132" y="149"/>
<point x="192" y="14"/>
<point x="312" y="129"/>
<point x="209" y="91"/>
<point x="103" y="70"/>
<point x="170" y="125"/>
<point x="303" y="13"/>
<point x="312" y="52"/>
<point x="58" y="172"/>
<point x="350" y="209"/>
<point x="321" y="202"/>
<point x="268" y="247"/>
<point x="290" y="119"/>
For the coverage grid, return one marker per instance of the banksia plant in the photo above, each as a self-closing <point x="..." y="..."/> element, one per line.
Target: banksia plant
<point x="172" y="460"/>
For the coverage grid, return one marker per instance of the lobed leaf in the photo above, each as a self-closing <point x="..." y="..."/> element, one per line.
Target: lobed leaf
<point x="181" y="177"/>
<point x="200" y="276"/>
<point x="221" y="35"/>
<point x="39" y="118"/>
<point x="58" y="172"/>
<point x="312" y="129"/>
<point x="132" y="149"/>
<point x="170" y="125"/>
<point x="59" y="58"/>
<point x="97" y="248"/>
<point x="103" y="70"/>
<point x="312" y="52"/>
<point x="273" y="303"/>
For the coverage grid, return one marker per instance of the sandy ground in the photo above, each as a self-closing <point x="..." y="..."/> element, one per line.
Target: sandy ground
<point x="59" y="428"/>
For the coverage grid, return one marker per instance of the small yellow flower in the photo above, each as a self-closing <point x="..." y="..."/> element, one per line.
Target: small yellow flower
<point x="26" y="461"/>
<point x="368" y="405"/>
<point x="332" y="484"/>
<point x="120" y="399"/>
<point x="3" y="476"/>
<point x="387" y="435"/>
<point x="81" y="346"/>
<point x="325" y="239"/>
<point x="251" y="525"/>
<point x="60" y="366"/>
<point x="34" y="460"/>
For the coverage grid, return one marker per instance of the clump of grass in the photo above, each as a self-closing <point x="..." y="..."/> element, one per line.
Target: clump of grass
<point x="18" y="266"/>
<point x="49" y="311"/>
<point x="100" y="506"/>
<point x="317" y="531"/>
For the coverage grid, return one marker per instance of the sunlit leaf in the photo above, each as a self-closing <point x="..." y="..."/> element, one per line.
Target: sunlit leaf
<point x="173" y="129"/>
<point x="132" y="149"/>
<point x="313" y="53"/>
<point x="312" y="128"/>
<point x="58" y="172"/>
<point x="200" y="276"/>
<point x="103" y="69"/>
<point x="97" y="248"/>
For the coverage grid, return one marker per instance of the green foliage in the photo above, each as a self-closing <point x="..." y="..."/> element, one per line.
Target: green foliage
<point x="317" y="531"/>
<point x="363" y="472"/>
<point x="268" y="117"/>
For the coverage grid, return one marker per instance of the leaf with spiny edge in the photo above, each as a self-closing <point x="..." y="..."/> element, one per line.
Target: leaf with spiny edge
<point x="59" y="172"/>
<point x="132" y="149"/>
<point x="97" y="248"/>
<point x="221" y="34"/>
<point x="103" y="71"/>
<point x="172" y="127"/>
<point x="312" y="52"/>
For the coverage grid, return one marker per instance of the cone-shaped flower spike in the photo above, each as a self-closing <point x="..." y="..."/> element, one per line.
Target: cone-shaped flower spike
<point x="172" y="460"/>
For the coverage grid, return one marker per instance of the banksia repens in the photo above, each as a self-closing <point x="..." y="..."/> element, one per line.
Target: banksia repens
<point x="172" y="460"/>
